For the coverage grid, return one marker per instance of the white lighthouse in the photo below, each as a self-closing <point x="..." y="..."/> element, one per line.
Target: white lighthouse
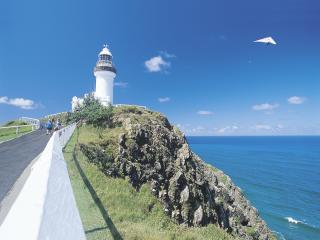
<point x="105" y="73"/>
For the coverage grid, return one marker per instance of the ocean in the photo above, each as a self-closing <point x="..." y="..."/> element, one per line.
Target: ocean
<point x="279" y="175"/>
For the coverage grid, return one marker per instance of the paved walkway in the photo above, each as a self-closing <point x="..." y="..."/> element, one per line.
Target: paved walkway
<point x="16" y="155"/>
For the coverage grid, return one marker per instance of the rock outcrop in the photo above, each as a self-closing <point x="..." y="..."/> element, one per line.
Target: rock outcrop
<point x="148" y="149"/>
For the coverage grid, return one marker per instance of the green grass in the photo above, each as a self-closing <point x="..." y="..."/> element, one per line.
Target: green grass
<point x="110" y="208"/>
<point x="14" y="123"/>
<point x="139" y="115"/>
<point x="10" y="133"/>
<point x="251" y="231"/>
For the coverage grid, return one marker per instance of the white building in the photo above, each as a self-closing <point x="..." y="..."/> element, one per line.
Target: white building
<point x="105" y="72"/>
<point x="76" y="102"/>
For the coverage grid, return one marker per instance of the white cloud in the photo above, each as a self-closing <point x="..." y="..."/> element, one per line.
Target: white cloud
<point x="18" y="102"/>
<point x="183" y="126"/>
<point x="3" y="99"/>
<point x="204" y="112"/>
<point x="280" y="126"/>
<point x="264" y="106"/>
<point x="276" y="129"/>
<point x="296" y="100"/>
<point x="167" y="55"/>
<point x="156" y="64"/>
<point x="121" y="84"/>
<point x="223" y="130"/>
<point x="228" y="129"/>
<point x="262" y="127"/>
<point x="164" y="99"/>
<point x="197" y="130"/>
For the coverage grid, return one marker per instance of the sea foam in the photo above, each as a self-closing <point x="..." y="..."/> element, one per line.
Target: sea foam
<point x="292" y="220"/>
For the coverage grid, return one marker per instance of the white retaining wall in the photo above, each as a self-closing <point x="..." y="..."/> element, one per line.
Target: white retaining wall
<point x="46" y="209"/>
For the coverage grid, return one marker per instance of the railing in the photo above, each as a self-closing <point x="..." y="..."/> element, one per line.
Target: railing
<point x="31" y="121"/>
<point x="33" y="127"/>
<point x="46" y="208"/>
<point x="65" y="133"/>
<point x="11" y="132"/>
<point x="128" y="105"/>
<point x="105" y="68"/>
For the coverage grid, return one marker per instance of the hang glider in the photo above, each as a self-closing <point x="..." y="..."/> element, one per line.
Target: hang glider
<point x="267" y="40"/>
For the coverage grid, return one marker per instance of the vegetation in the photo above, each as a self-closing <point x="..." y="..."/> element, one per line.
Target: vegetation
<point x="220" y="175"/>
<point x="10" y="133"/>
<point x="92" y="112"/>
<point x="64" y="118"/>
<point x="128" y="109"/>
<point x="111" y="208"/>
<point x="252" y="232"/>
<point x="15" y="123"/>
<point x="117" y="205"/>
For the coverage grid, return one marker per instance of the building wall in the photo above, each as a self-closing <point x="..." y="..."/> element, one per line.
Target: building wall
<point x="104" y="86"/>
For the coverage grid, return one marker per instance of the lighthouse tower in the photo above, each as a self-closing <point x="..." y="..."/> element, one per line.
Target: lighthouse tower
<point x="104" y="72"/>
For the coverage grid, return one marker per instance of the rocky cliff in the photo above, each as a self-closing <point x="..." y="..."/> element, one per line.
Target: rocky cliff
<point x="145" y="148"/>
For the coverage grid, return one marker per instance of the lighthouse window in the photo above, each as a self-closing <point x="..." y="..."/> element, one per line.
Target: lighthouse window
<point x="106" y="58"/>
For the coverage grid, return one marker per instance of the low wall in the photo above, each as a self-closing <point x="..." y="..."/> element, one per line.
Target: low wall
<point x="45" y="207"/>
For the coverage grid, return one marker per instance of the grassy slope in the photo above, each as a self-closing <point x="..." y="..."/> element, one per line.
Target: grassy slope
<point x="111" y="209"/>
<point x="10" y="133"/>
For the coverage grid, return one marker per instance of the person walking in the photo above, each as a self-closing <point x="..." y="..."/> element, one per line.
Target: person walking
<point x="58" y="125"/>
<point x="53" y="123"/>
<point x="49" y="126"/>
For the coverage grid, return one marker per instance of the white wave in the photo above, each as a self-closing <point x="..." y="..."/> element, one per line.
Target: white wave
<point x="292" y="220"/>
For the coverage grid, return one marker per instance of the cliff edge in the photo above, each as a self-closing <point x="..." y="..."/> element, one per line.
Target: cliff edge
<point x="144" y="147"/>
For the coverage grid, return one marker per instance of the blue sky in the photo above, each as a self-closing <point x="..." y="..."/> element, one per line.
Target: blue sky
<point x="205" y="73"/>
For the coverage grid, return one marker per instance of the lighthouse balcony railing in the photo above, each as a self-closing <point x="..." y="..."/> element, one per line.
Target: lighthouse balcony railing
<point x="105" y="68"/>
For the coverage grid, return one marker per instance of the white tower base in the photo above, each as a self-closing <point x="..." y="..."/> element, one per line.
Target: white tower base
<point x="104" y="87"/>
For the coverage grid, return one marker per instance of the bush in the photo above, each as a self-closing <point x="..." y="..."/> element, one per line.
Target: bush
<point x="252" y="232"/>
<point x="92" y="112"/>
<point x="129" y="109"/>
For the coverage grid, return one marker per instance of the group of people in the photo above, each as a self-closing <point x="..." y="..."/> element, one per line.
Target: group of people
<point x="52" y="125"/>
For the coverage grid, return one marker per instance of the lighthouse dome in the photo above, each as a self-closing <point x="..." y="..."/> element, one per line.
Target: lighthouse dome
<point x="105" y="51"/>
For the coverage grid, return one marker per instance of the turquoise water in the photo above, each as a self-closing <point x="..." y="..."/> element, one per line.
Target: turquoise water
<point x="279" y="175"/>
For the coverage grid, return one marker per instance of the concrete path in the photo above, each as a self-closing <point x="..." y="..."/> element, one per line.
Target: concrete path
<point x="16" y="155"/>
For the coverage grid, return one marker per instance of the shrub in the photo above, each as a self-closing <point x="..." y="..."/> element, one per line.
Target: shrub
<point x="129" y="109"/>
<point x="92" y="112"/>
<point x="252" y="232"/>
